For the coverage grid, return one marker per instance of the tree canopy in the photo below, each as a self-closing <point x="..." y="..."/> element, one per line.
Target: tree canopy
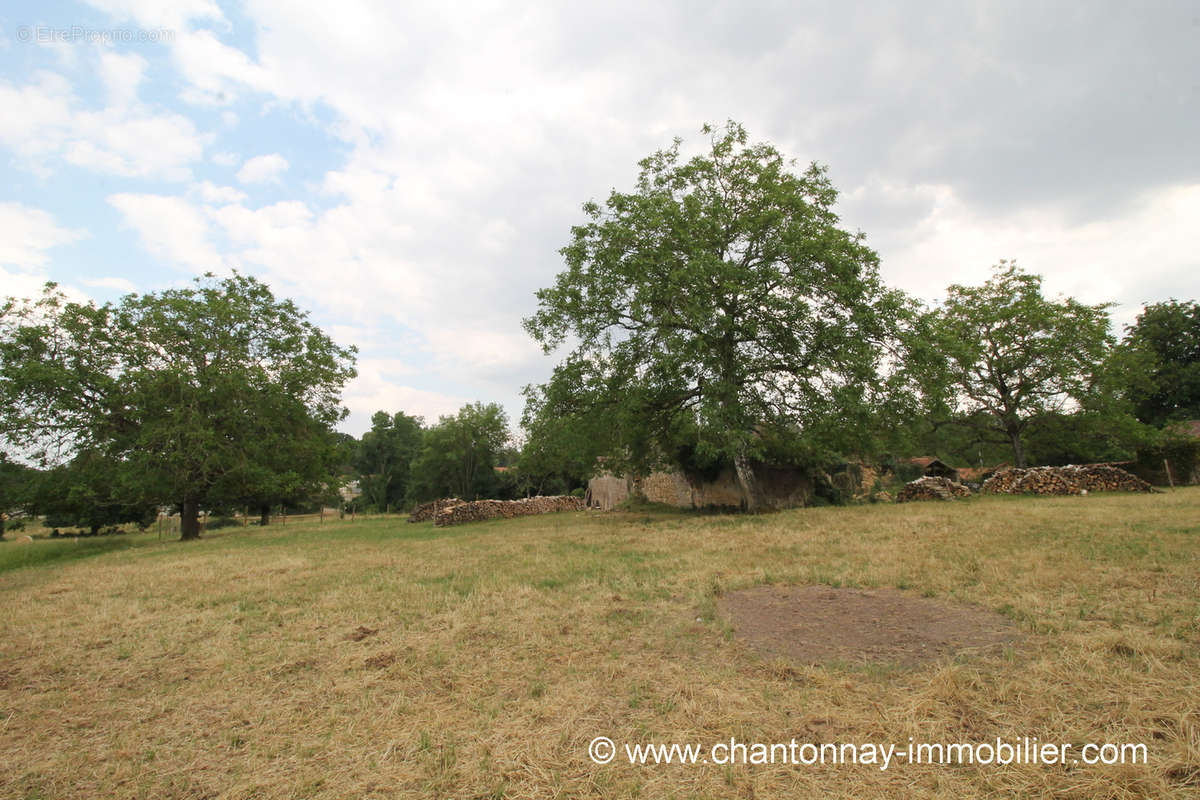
<point x="213" y="394"/>
<point x="458" y="455"/>
<point x="716" y="309"/>
<point x="384" y="457"/>
<point x="1011" y="356"/>
<point x="1167" y="336"/>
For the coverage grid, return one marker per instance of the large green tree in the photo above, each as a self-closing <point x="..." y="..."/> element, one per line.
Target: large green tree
<point x="1167" y="337"/>
<point x="203" y="396"/>
<point x="458" y="454"/>
<point x="1011" y="356"/>
<point x="17" y="484"/>
<point x="715" y="309"/>
<point x="384" y="456"/>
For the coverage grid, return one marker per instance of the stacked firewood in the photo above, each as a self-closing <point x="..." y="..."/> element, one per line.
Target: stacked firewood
<point x="427" y="511"/>
<point x="478" y="510"/>
<point x="1064" y="480"/>
<point x="931" y="488"/>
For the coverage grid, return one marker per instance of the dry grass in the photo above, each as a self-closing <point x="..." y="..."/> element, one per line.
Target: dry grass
<point x="381" y="659"/>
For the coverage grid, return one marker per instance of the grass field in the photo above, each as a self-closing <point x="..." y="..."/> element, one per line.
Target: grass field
<point x="380" y="659"/>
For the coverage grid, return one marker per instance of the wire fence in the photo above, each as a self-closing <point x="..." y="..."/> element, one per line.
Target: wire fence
<point x="169" y="523"/>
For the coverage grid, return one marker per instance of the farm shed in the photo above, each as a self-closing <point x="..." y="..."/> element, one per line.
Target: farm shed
<point x="932" y="467"/>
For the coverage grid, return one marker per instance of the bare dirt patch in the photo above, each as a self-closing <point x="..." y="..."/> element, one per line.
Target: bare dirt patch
<point x="822" y="625"/>
<point x="360" y="633"/>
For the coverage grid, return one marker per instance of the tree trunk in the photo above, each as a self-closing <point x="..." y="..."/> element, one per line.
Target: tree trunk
<point x="264" y="518"/>
<point x="1014" y="436"/>
<point x="189" y="520"/>
<point x="747" y="480"/>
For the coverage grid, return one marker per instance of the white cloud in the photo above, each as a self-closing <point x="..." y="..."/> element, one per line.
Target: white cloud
<point x="26" y="234"/>
<point x="122" y="74"/>
<point x="26" y="237"/>
<point x="210" y="193"/>
<point x="124" y="138"/>
<point x="377" y="388"/>
<point x="263" y="169"/>
<point x="168" y="14"/>
<point x="120" y="284"/>
<point x="1144" y="255"/>
<point x="170" y="228"/>
<point x="226" y="159"/>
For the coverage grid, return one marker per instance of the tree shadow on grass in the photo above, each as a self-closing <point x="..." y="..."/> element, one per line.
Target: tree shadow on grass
<point x="15" y="555"/>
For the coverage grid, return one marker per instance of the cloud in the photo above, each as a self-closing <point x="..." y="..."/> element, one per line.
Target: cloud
<point x="263" y="169"/>
<point x="123" y="285"/>
<point x="53" y="126"/>
<point x="170" y="228"/>
<point x="169" y="14"/>
<point x="26" y="236"/>
<point x="379" y="388"/>
<point x="1142" y="256"/>
<point x="212" y="194"/>
<point x="122" y="74"/>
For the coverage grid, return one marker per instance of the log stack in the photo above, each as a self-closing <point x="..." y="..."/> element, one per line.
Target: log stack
<point x="427" y="511"/>
<point x="930" y="488"/>
<point x="1072" y="479"/>
<point x="479" y="510"/>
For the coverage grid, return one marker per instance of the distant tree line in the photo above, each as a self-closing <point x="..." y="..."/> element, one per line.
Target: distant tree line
<point x="717" y="315"/>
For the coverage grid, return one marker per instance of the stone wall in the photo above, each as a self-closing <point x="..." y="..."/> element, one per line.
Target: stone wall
<point x="607" y="491"/>
<point x="668" y="488"/>
<point x="782" y="487"/>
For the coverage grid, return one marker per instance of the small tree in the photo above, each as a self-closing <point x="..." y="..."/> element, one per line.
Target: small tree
<point x="86" y="493"/>
<point x="1012" y="356"/>
<point x="716" y="307"/>
<point x="458" y="455"/>
<point x="203" y="396"/>
<point x="384" y="457"/>
<point x="1167" y="337"/>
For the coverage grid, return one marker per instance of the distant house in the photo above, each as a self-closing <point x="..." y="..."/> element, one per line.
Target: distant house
<point x="934" y="467"/>
<point x="350" y="492"/>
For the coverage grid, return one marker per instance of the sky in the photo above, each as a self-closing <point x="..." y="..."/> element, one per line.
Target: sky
<point x="407" y="172"/>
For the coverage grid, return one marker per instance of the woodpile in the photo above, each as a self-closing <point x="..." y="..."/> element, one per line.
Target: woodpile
<point x="930" y="488"/>
<point x="479" y="510"/>
<point x="428" y="511"/>
<point x="1064" y="480"/>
